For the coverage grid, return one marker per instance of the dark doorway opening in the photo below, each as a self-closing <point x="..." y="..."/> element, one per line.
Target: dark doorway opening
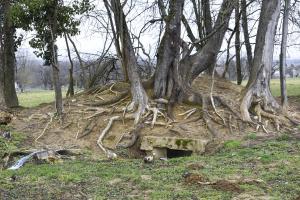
<point x="172" y="153"/>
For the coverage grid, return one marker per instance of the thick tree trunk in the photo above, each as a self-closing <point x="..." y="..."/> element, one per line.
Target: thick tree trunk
<point x="8" y="58"/>
<point x="169" y="51"/>
<point x="237" y="44"/>
<point x="246" y="33"/>
<point x="258" y="87"/>
<point x="55" y="66"/>
<point x="139" y="95"/>
<point x="70" y="91"/>
<point x="284" y="99"/>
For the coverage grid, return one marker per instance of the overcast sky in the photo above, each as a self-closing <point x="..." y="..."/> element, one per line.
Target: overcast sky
<point x="91" y="41"/>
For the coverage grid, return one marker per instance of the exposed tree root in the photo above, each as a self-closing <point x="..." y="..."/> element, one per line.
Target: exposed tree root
<point x="219" y="113"/>
<point x="103" y="134"/>
<point x="188" y="113"/>
<point x="116" y="99"/>
<point x="87" y="129"/>
<point x="133" y="137"/>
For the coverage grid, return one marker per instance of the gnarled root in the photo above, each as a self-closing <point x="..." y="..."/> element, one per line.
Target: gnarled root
<point x="120" y="96"/>
<point x="103" y="134"/>
<point x="133" y="136"/>
<point x="109" y="153"/>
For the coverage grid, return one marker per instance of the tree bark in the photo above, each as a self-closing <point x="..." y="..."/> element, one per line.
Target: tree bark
<point x="2" y="100"/>
<point x="258" y="87"/>
<point x="192" y="66"/>
<point x="169" y="51"/>
<point x="70" y="91"/>
<point x="207" y="16"/>
<point x="55" y="66"/>
<point x="284" y="99"/>
<point x="198" y="16"/>
<point x="139" y="95"/>
<point x="83" y="74"/>
<point x="246" y="33"/>
<point x="8" y="58"/>
<point x="116" y="37"/>
<point x="237" y="44"/>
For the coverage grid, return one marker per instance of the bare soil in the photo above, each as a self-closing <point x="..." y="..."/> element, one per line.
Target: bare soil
<point x="81" y="129"/>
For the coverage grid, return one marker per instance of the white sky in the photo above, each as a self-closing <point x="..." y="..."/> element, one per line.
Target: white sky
<point x="91" y="41"/>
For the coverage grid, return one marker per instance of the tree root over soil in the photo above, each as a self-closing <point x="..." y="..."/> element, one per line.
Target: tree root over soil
<point x="221" y="109"/>
<point x="220" y="112"/>
<point x="216" y="110"/>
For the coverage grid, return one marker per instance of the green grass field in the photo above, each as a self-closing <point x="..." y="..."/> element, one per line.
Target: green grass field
<point x="34" y="98"/>
<point x="275" y="163"/>
<point x="293" y="87"/>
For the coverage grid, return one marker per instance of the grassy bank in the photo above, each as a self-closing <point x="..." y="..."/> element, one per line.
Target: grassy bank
<point x="275" y="164"/>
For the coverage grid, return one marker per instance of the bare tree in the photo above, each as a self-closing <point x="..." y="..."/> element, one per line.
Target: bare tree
<point x="282" y="65"/>
<point x="169" y="50"/>
<point x="258" y="87"/>
<point x="82" y="68"/>
<point x="70" y="91"/>
<point x="128" y="58"/>
<point x="246" y="32"/>
<point x="238" y="44"/>
<point x="54" y="61"/>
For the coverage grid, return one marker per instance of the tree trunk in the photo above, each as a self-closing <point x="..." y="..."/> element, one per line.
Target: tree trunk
<point x="169" y="51"/>
<point x="258" y="87"/>
<point x="237" y="44"/>
<point x="192" y="66"/>
<point x="116" y="37"/>
<point x="284" y="99"/>
<point x="70" y="91"/>
<point x="2" y="100"/>
<point x="207" y="16"/>
<point x="8" y="58"/>
<point x="83" y="73"/>
<point x="55" y="66"/>
<point x="198" y="16"/>
<point x="246" y="33"/>
<point x="139" y="95"/>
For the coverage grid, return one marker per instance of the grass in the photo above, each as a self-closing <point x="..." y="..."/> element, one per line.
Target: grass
<point x="275" y="162"/>
<point x="35" y="98"/>
<point x="293" y="87"/>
